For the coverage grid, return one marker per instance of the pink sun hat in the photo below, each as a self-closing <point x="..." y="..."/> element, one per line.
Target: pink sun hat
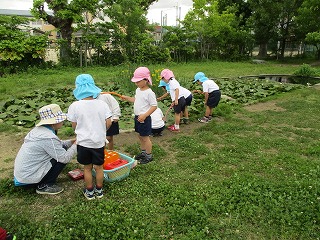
<point x="142" y="73"/>
<point x="167" y="74"/>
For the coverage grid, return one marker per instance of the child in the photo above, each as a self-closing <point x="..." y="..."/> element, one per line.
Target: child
<point x="116" y="113"/>
<point x="212" y="95"/>
<point x="90" y="118"/>
<point x="187" y="95"/>
<point x="166" y="89"/>
<point x="157" y="119"/>
<point x="145" y="103"/>
<point x="177" y="97"/>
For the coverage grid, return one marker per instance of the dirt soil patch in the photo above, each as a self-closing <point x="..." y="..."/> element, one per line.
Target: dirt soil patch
<point x="11" y="143"/>
<point x="264" y="106"/>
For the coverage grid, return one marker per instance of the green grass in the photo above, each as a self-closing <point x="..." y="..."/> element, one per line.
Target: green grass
<point x="17" y="85"/>
<point x="248" y="175"/>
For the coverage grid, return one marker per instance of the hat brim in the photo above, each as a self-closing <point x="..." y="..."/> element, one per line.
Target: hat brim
<point x="58" y="119"/>
<point x="140" y="79"/>
<point x="203" y="79"/>
<point x="85" y="91"/>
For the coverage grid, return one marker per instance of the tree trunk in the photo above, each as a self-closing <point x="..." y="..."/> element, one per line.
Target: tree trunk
<point x="65" y="46"/>
<point x="263" y="53"/>
<point x="283" y="47"/>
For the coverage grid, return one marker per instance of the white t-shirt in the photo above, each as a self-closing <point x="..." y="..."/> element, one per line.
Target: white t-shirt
<point x="112" y="103"/>
<point x="209" y="86"/>
<point x="186" y="93"/>
<point x="173" y="85"/>
<point x="90" y="116"/>
<point x="157" y="119"/>
<point x="143" y="101"/>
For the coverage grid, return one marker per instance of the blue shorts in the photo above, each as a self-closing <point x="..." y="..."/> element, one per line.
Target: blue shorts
<point x="93" y="156"/>
<point x="113" y="129"/>
<point x="144" y="129"/>
<point x="214" y="99"/>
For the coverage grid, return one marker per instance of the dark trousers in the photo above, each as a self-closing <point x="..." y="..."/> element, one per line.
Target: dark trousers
<point x="51" y="177"/>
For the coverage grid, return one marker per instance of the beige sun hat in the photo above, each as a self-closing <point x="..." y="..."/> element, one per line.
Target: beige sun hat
<point x="51" y="114"/>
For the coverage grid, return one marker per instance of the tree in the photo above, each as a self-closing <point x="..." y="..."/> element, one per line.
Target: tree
<point x="218" y="35"/>
<point x="314" y="39"/>
<point x="129" y="25"/>
<point x="68" y="12"/>
<point x="65" y="13"/>
<point x="308" y="17"/>
<point x="17" y="47"/>
<point x="241" y="9"/>
<point x="287" y="24"/>
<point x="264" y="22"/>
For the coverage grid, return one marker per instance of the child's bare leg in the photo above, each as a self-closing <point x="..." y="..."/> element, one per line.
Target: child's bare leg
<point x="88" y="176"/>
<point x="177" y="119"/>
<point x="99" y="175"/>
<point x="186" y="113"/>
<point x="145" y="144"/>
<point x="110" y="144"/>
<point x="208" y="111"/>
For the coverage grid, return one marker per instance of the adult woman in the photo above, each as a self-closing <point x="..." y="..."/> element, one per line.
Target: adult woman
<point x="43" y="155"/>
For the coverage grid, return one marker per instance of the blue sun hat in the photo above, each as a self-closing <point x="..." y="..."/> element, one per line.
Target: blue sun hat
<point x="85" y="87"/>
<point x="164" y="84"/>
<point x="200" y="76"/>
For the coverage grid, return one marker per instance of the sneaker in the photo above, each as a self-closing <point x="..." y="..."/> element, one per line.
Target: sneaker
<point x="171" y="126"/>
<point x="146" y="160"/>
<point x="209" y="118"/>
<point x="186" y="121"/>
<point x="203" y="120"/>
<point x="140" y="156"/>
<point x="173" y="129"/>
<point x="49" y="189"/>
<point x="98" y="193"/>
<point x="88" y="194"/>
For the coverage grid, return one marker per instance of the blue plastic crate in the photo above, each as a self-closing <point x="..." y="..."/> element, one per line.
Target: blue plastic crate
<point x="118" y="173"/>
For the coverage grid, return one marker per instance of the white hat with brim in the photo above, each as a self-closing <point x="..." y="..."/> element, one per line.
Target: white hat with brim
<point x="51" y="114"/>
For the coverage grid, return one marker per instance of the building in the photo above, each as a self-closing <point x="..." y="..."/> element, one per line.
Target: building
<point x="34" y="26"/>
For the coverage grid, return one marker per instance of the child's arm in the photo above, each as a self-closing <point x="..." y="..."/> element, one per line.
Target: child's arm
<point x="108" y="122"/>
<point x="206" y="96"/>
<point x="197" y="91"/>
<point x="127" y="98"/>
<point x="74" y="125"/>
<point x="142" y="117"/>
<point x="163" y="96"/>
<point x="176" y="94"/>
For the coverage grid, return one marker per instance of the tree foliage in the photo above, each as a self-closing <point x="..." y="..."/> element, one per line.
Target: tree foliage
<point x="64" y="14"/>
<point x="18" y="47"/>
<point x="218" y="34"/>
<point x="313" y="38"/>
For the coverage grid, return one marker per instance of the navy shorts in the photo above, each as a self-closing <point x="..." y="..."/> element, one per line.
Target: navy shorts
<point x="144" y="129"/>
<point x="87" y="156"/>
<point x="181" y="105"/>
<point x="189" y="100"/>
<point x="157" y="130"/>
<point x="214" y="99"/>
<point x="113" y="129"/>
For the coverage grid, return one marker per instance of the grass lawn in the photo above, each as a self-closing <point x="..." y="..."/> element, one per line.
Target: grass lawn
<point x="251" y="173"/>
